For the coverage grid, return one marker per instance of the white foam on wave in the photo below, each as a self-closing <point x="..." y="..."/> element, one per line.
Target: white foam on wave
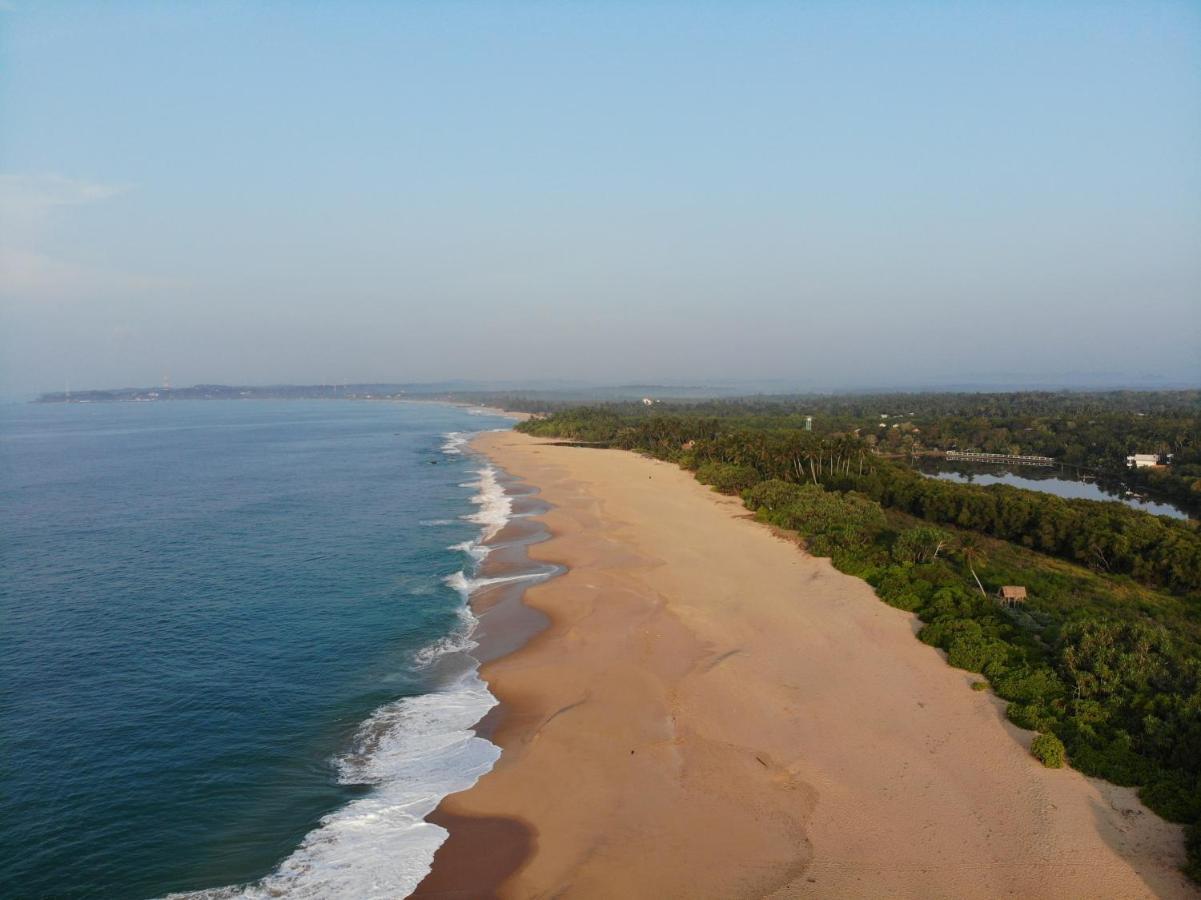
<point x="458" y="641"/>
<point x="496" y="506"/>
<point x="466" y="585"/>
<point x="474" y="549"/>
<point x="454" y="442"/>
<point x="412" y="752"/>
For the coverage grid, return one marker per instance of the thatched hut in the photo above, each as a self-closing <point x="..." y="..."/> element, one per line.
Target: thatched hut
<point x="1011" y="595"/>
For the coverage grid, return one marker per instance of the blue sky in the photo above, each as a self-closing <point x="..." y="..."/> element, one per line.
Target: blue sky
<point x="834" y="195"/>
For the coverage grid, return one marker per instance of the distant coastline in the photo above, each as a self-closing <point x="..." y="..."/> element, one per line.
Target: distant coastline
<point x="540" y="393"/>
<point x="362" y="391"/>
<point x="377" y="392"/>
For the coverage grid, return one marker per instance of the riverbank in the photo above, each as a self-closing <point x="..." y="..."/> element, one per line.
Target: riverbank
<point x="713" y="713"/>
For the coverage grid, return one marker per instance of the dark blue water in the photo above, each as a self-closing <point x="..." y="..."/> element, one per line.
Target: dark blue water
<point x="202" y="603"/>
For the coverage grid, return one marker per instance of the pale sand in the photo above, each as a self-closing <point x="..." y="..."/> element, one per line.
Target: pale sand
<point x="714" y="713"/>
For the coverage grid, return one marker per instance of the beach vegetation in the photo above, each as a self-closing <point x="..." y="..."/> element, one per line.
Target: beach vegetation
<point x="1049" y="750"/>
<point x="773" y="494"/>
<point x="921" y="545"/>
<point x="727" y="478"/>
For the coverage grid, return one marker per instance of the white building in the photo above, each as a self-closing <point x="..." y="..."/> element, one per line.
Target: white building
<point x="1142" y="460"/>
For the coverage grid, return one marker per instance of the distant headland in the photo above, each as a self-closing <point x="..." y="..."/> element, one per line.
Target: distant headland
<point x="248" y="392"/>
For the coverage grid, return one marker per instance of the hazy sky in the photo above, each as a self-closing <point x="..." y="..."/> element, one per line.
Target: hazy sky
<point x="831" y="193"/>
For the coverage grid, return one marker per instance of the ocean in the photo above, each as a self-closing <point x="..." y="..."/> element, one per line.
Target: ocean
<point x="234" y="645"/>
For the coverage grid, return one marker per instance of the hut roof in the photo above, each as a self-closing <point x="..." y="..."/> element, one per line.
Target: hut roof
<point x="1013" y="592"/>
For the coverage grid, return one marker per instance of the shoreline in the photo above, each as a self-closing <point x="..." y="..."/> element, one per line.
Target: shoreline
<point x="505" y="625"/>
<point x="765" y="722"/>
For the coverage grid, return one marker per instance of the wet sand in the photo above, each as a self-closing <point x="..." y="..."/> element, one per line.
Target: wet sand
<point x="711" y="712"/>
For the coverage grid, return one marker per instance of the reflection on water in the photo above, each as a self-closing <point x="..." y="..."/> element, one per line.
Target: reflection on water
<point x="1049" y="481"/>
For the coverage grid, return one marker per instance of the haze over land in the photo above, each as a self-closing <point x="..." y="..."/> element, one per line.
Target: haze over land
<point x="823" y="197"/>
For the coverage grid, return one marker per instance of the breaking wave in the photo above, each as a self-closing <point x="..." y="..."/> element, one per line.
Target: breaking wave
<point x="411" y="753"/>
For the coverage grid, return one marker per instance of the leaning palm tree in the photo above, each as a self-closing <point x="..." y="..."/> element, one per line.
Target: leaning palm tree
<point x="972" y="551"/>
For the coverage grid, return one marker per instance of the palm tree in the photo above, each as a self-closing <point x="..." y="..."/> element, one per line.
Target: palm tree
<point x="972" y="551"/>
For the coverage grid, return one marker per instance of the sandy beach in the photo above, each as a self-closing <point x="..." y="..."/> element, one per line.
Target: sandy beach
<point x="713" y="713"/>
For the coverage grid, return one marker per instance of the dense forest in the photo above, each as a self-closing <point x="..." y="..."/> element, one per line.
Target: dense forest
<point x="1104" y="657"/>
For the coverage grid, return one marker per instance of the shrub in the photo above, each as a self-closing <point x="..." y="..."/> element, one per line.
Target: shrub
<point x="1112" y="757"/>
<point x="727" y="478"/>
<point x="843" y="536"/>
<point x="955" y="601"/>
<point x="979" y="685"/>
<point x="1049" y="750"/>
<point x="894" y="582"/>
<point x="857" y="564"/>
<point x="976" y="654"/>
<point x="1030" y="685"/>
<point x="1031" y="716"/>
<point x="774" y="494"/>
<point x="1173" y="796"/>
<point x="909" y="602"/>
<point x="1192" y="843"/>
<point x="920" y="545"/>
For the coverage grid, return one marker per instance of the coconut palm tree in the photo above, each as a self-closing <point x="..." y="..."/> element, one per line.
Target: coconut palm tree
<point x="972" y="551"/>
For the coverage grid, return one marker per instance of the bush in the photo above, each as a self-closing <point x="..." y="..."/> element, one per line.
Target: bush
<point x="956" y="602"/>
<point x="857" y="564"/>
<point x="1031" y="716"/>
<point x="727" y="478"/>
<point x="908" y="601"/>
<point x="846" y="536"/>
<point x="979" y="685"/>
<point x="1112" y="757"/>
<point x="1027" y="685"/>
<point x="1049" y="750"/>
<point x="773" y="495"/>
<point x="1173" y="796"/>
<point x="847" y="519"/>
<point x="893" y="581"/>
<point x="976" y="654"/>
<point x="920" y="545"/>
<point x="968" y="644"/>
<point x="1192" y="843"/>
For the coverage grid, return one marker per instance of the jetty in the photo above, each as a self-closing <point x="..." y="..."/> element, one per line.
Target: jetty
<point x="1007" y="458"/>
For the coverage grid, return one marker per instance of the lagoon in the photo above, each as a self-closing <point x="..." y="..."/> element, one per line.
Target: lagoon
<point x="1048" y="481"/>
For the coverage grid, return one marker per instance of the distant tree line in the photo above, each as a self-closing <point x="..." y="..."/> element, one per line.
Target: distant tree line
<point x="1092" y="431"/>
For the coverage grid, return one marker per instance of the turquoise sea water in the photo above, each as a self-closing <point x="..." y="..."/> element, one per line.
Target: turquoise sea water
<point x="227" y="646"/>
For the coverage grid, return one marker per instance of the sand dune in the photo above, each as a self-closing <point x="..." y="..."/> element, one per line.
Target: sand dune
<point x="714" y="713"/>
